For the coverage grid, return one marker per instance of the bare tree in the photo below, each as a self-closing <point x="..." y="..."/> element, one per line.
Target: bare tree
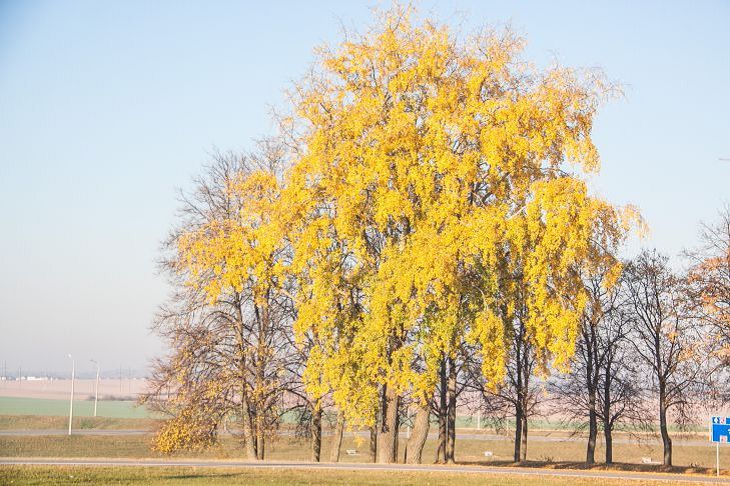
<point x="620" y="398"/>
<point x="667" y="339"/>
<point x="579" y="388"/>
<point x="600" y="389"/>
<point x="520" y="396"/>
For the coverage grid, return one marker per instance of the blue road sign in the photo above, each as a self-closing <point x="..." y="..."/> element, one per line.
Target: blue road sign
<point x="719" y="429"/>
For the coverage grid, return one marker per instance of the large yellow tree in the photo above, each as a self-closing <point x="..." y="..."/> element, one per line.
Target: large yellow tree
<point x="436" y="202"/>
<point x="438" y="193"/>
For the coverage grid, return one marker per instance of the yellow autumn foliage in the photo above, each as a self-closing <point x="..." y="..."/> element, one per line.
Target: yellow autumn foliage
<point x="242" y="251"/>
<point x="437" y="193"/>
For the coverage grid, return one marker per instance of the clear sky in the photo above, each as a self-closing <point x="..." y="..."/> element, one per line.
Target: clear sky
<point x="107" y="107"/>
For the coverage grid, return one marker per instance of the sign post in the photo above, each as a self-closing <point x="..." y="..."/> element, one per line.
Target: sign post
<point x="719" y="433"/>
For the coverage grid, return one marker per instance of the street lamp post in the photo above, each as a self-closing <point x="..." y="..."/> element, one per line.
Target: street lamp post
<point x="96" y="386"/>
<point x="71" y="405"/>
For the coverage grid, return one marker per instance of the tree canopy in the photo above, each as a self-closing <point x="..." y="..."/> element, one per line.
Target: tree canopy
<point x="435" y="198"/>
<point x="437" y="194"/>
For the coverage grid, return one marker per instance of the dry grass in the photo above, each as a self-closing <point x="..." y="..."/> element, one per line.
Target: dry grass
<point x="553" y="454"/>
<point x="191" y="475"/>
<point x="565" y="454"/>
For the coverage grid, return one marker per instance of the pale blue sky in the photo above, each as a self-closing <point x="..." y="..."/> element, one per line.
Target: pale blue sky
<point x="106" y="107"/>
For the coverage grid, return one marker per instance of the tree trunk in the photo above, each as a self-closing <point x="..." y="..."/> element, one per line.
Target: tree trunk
<point x="249" y="438"/>
<point x="261" y="447"/>
<point x="441" y="444"/>
<point x="337" y="439"/>
<point x="316" y="431"/>
<point x="518" y="434"/>
<point x="373" y="444"/>
<point x="260" y="361"/>
<point x="442" y="411"/>
<point x="260" y="439"/>
<point x="397" y="433"/>
<point x="592" y="427"/>
<point x="607" y="424"/>
<point x="608" y="436"/>
<point x="451" y="417"/>
<point x="414" y="447"/>
<point x="592" y="375"/>
<point x="523" y="450"/>
<point x="388" y="435"/>
<point x="666" y="440"/>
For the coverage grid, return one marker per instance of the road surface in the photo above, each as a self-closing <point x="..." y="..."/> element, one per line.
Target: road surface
<point x="487" y="470"/>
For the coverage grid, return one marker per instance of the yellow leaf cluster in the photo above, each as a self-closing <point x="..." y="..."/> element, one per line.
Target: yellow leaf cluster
<point x="438" y="195"/>
<point x="242" y="251"/>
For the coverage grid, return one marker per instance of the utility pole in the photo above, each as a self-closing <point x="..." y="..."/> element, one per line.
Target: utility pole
<point x="96" y="386"/>
<point x="71" y="404"/>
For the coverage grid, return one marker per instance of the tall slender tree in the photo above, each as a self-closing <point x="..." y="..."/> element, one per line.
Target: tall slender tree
<point x="620" y="397"/>
<point x="602" y="387"/>
<point x="667" y="338"/>
<point x="521" y="394"/>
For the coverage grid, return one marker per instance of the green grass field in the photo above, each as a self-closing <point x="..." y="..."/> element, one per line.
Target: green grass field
<point x="82" y="408"/>
<point x="129" y="409"/>
<point x="51" y="422"/>
<point x="31" y="475"/>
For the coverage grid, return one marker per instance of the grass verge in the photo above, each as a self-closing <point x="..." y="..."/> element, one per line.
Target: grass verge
<point x="32" y="475"/>
<point x="563" y="454"/>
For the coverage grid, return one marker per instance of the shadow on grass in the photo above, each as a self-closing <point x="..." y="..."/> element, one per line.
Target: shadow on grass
<point x="616" y="466"/>
<point x="208" y="476"/>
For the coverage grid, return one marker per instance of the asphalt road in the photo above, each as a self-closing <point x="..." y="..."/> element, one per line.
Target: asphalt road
<point x="487" y="470"/>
